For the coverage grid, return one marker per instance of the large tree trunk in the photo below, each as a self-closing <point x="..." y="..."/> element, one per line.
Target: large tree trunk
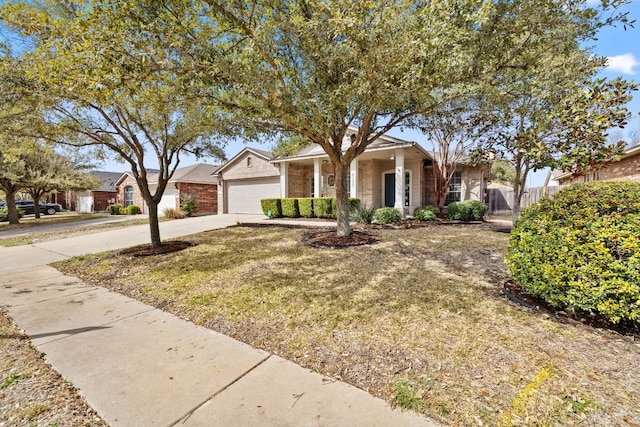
<point x="10" y="192"/>
<point x="36" y="206"/>
<point x="154" y="226"/>
<point x="342" y="199"/>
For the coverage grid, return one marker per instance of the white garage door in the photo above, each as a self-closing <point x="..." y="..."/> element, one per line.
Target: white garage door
<point x="244" y="196"/>
<point x="85" y="204"/>
<point x="168" y="200"/>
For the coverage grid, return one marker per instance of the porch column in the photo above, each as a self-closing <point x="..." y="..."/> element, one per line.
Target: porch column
<point x="317" y="177"/>
<point x="284" y="179"/>
<point x="399" y="204"/>
<point x="354" y="178"/>
<point x="220" y="197"/>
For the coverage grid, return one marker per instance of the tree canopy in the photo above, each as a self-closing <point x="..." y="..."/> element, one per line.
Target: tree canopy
<point x="109" y="76"/>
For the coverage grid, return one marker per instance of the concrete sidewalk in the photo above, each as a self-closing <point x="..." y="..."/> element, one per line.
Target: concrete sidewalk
<point x="139" y="366"/>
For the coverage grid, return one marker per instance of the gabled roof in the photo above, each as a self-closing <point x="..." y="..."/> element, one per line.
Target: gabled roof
<point x="108" y="180"/>
<point x="260" y="153"/>
<point x="200" y="173"/>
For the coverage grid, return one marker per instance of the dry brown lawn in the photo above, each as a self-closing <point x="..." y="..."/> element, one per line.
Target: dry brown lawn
<point x="418" y="319"/>
<point x="31" y="392"/>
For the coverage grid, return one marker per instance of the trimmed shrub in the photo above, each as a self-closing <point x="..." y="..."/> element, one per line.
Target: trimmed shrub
<point x="271" y="207"/>
<point x="115" y="209"/>
<point x="580" y="251"/>
<point x="322" y="207"/>
<point x="353" y="203"/>
<point x="469" y="210"/>
<point x="174" y="213"/>
<point x="362" y="214"/>
<point x="189" y="204"/>
<point x="131" y="210"/>
<point x="427" y="213"/>
<point x="387" y="215"/>
<point x="4" y="213"/>
<point x="305" y="207"/>
<point x="290" y="208"/>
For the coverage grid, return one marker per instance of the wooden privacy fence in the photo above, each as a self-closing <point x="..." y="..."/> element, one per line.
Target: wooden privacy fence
<point x="501" y="199"/>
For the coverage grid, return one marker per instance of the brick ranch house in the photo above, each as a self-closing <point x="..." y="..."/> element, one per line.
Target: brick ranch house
<point x="391" y="172"/>
<point x="195" y="180"/>
<point x="96" y="200"/>
<point x="625" y="169"/>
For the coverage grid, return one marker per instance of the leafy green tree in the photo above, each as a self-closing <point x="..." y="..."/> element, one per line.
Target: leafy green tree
<point x="503" y="172"/>
<point x="314" y="68"/>
<point x="450" y="129"/>
<point x="12" y="171"/>
<point x="46" y="171"/>
<point x="110" y="76"/>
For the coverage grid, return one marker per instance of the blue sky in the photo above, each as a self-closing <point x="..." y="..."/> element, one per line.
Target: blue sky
<point x="620" y="46"/>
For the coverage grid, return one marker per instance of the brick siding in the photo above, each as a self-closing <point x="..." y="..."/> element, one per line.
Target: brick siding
<point x="205" y="194"/>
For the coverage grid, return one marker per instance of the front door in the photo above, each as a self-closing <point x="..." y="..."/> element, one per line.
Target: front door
<point x="390" y="189"/>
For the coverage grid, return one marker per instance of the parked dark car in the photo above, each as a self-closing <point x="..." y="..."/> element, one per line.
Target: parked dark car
<point x="28" y="207"/>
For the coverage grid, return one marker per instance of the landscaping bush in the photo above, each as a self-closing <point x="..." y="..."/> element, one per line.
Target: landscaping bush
<point x="322" y="207"/>
<point x="427" y="213"/>
<point x="353" y="203"/>
<point x="469" y="210"/>
<point x="174" y="213"/>
<point x="290" y="208"/>
<point x="115" y="209"/>
<point x="387" y="215"/>
<point x="362" y="214"/>
<point x="305" y="207"/>
<point x="189" y="204"/>
<point x="132" y="210"/>
<point x="4" y="213"/>
<point x="580" y="251"/>
<point x="271" y="207"/>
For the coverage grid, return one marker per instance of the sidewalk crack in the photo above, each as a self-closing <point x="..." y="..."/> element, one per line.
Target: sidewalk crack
<point x="188" y="415"/>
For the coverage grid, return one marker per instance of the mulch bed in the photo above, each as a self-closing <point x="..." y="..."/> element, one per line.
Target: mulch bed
<point x="330" y="239"/>
<point x="626" y="330"/>
<point x="148" y="250"/>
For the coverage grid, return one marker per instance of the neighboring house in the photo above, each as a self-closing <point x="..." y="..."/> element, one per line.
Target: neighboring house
<point x="391" y="172"/>
<point x="195" y="180"/>
<point x="625" y="169"/>
<point x="95" y="200"/>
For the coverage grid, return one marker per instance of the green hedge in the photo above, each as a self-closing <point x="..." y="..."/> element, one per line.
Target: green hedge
<point x="426" y="213"/>
<point x="387" y="215"/>
<point x="305" y="206"/>
<point x="131" y="210"/>
<point x="271" y="207"/>
<point x="115" y="209"/>
<point x="4" y="213"/>
<point x="290" y="208"/>
<point x="323" y="207"/>
<point x="469" y="210"/>
<point x="580" y="251"/>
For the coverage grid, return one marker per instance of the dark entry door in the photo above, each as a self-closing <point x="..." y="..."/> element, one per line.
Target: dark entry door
<point x="389" y="189"/>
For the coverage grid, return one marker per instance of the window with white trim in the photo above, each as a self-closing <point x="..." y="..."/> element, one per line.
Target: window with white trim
<point x="455" y="189"/>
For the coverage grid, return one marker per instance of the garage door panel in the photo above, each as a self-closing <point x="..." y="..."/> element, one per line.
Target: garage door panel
<point x="244" y="196"/>
<point x="168" y="201"/>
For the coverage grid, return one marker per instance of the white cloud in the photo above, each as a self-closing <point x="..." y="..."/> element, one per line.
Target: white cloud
<point x="622" y="63"/>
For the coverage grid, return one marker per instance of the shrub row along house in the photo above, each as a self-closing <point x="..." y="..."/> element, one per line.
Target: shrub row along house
<point x="391" y="172"/>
